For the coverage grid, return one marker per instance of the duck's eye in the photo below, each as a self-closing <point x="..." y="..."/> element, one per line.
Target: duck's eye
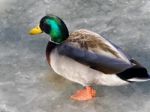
<point x="46" y="28"/>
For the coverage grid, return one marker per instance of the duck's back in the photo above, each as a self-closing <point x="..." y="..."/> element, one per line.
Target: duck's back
<point x="93" y="42"/>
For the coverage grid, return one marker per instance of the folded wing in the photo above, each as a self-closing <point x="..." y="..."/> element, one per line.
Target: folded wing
<point x="91" y="49"/>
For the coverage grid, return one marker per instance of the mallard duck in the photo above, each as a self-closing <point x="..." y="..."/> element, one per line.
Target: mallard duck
<point x="87" y="58"/>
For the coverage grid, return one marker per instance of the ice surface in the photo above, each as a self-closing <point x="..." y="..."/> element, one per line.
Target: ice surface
<point x="27" y="84"/>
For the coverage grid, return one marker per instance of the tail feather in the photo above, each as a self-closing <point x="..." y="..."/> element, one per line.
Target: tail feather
<point x="138" y="80"/>
<point x="134" y="74"/>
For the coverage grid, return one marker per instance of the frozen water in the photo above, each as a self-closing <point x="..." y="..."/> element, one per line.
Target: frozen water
<point x="27" y="84"/>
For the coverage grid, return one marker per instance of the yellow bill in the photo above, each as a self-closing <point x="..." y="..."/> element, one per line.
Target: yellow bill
<point x="36" y="30"/>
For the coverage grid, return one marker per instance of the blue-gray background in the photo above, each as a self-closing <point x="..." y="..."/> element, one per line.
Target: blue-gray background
<point x="27" y="84"/>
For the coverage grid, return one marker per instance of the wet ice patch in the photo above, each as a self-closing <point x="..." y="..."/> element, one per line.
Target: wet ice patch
<point x="5" y="108"/>
<point x="146" y="7"/>
<point x="4" y="4"/>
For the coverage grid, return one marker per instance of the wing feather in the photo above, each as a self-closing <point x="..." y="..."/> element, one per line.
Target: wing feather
<point x="91" y="49"/>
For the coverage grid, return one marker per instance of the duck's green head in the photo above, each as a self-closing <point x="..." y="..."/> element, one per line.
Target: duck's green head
<point x="54" y="27"/>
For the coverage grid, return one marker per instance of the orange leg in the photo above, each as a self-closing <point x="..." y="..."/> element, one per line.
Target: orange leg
<point x="85" y="94"/>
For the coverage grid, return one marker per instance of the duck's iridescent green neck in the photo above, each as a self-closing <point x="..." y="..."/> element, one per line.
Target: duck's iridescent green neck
<point x="56" y="28"/>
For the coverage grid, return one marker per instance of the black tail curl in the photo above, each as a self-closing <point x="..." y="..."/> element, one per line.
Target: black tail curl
<point x="136" y="71"/>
